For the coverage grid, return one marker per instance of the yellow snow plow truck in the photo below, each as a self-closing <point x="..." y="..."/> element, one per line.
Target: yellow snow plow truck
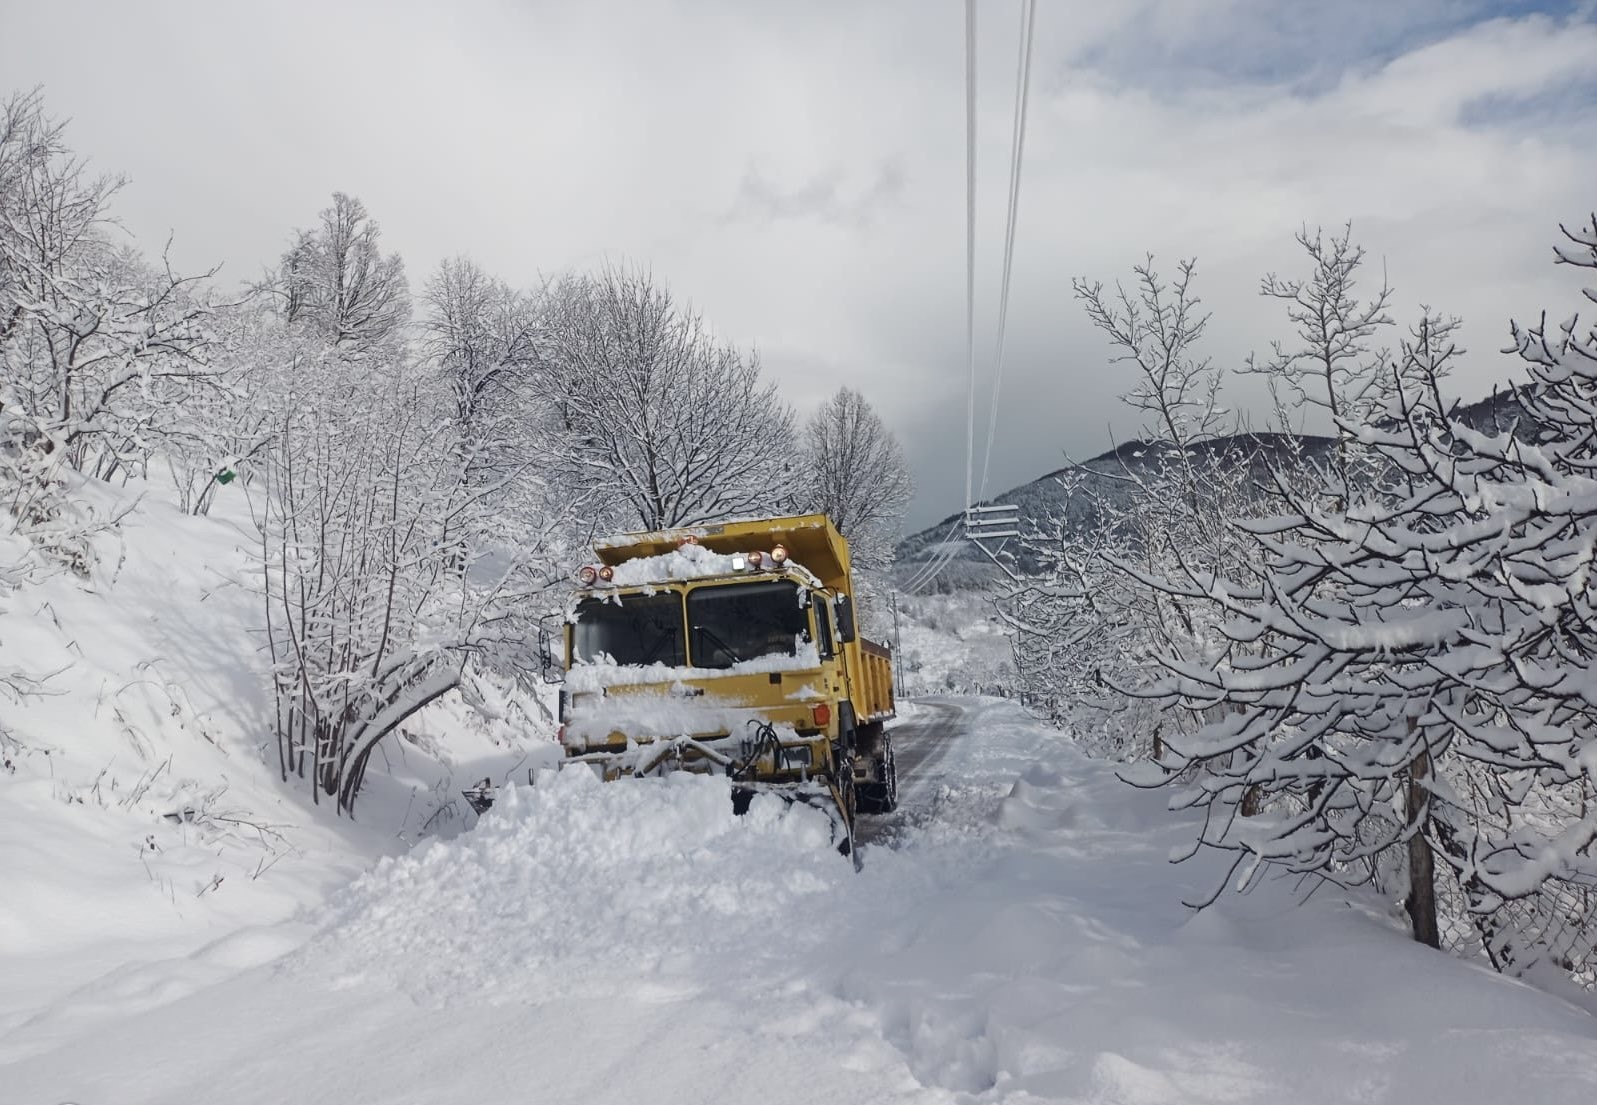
<point x="729" y="649"/>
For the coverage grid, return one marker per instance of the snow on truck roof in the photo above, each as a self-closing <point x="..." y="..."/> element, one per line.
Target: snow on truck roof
<point x="687" y="562"/>
<point x="810" y="539"/>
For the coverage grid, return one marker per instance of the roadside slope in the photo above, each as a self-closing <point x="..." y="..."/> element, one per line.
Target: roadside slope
<point x="142" y="815"/>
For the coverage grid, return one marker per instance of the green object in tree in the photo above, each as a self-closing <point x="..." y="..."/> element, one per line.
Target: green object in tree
<point x="225" y="476"/>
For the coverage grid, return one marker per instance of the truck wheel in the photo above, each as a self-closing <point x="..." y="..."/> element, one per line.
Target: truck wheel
<point x="889" y="776"/>
<point x="880" y="795"/>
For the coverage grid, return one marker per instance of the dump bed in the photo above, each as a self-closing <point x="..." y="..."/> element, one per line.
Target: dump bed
<point x="873" y="685"/>
<point x="811" y="540"/>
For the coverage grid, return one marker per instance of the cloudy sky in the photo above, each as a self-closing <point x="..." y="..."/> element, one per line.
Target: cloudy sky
<point x="797" y="168"/>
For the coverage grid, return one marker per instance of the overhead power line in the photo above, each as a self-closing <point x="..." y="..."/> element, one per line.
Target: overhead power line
<point x="970" y="246"/>
<point x="943" y="552"/>
<point x="1016" y="158"/>
<point x="946" y="551"/>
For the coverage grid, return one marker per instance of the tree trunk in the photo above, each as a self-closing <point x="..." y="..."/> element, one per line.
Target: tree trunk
<point x="1421" y="904"/>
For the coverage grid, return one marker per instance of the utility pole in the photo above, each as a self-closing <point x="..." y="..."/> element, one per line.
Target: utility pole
<point x="898" y="651"/>
<point x="985" y="524"/>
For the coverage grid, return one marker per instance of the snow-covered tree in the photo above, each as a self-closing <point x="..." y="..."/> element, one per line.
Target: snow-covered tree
<point x="377" y="591"/>
<point x="483" y="339"/>
<point x="1087" y="627"/>
<point x="1408" y="682"/>
<point x="336" y="281"/>
<point x="395" y="530"/>
<point x="95" y="345"/>
<point x="481" y="332"/>
<point x="662" y="424"/>
<point x="221" y="424"/>
<point x="1155" y="327"/>
<point x="1333" y="369"/>
<point x="855" y="472"/>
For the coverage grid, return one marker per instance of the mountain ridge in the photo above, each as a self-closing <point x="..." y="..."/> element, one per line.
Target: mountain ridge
<point x="1043" y="499"/>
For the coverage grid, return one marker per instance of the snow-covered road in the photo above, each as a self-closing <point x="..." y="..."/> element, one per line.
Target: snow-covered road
<point x="921" y="740"/>
<point x="1017" y="936"/>
<point x="924" y="737"/>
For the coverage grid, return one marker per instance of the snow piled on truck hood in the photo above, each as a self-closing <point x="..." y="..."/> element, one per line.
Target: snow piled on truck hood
<point x="649" y="717"/>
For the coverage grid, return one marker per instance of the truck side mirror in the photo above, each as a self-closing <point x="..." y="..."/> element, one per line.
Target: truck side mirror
<point x="845" y="619"/>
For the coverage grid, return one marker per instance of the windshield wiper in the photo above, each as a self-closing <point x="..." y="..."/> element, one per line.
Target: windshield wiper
<point x="722" y="645"/>
<point x="654" y="649"/>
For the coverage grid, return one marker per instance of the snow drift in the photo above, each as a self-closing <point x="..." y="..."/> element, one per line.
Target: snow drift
<point x="573" y="885"/>
<point x="1022" y="941"/>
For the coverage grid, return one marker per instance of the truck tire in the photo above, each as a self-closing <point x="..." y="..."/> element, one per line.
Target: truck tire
<point x="880" y="795"/>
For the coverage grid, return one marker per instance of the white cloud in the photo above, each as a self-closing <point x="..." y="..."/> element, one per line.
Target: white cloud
<point x="797" y="170"/>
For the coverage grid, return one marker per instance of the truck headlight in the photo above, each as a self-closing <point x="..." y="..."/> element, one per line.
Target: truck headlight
<point x="797" y="755"/>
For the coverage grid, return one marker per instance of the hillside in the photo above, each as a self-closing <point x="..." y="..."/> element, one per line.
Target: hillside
<point x="140" y="777"/>
<point x="1111" y="476"/>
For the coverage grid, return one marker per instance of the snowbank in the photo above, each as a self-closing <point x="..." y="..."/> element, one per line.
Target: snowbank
<point x="1023" y="940"/>
<point x="954" y="644"/>
<point x="141" y="812"/>
<point x="577" y="887"/>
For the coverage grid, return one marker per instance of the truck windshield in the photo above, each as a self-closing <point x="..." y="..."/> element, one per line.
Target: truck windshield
<point x="630" y="629"/>
<point x="743" y="621"/>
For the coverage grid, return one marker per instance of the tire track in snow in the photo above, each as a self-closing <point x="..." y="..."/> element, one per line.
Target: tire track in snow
<point x="919" y="745"/>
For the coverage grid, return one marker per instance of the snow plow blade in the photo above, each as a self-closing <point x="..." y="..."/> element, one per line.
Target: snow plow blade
<point x="748" y="764"/>
<point x="704" y="757"/>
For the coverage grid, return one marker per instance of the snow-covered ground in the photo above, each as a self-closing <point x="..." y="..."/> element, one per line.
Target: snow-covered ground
<point x="1018" y="936"/>
<point x="954" y="644"/>
<point x="141" y="812"/>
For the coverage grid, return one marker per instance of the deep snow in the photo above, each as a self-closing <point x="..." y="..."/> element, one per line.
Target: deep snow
<point x="1023" y="939"/>
<point x="141" y="813"/>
